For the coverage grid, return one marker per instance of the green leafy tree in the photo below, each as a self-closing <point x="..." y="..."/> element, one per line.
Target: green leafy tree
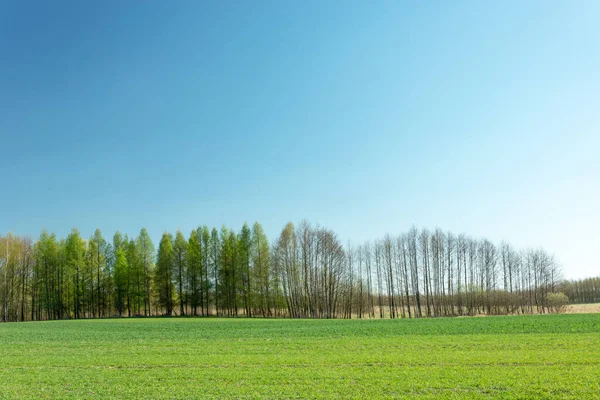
<point x="145" y="249"/>
<point x="75" y="263"/>
<point x="164" y="273"/>
<point x="97" y="260"/>
<point x="244" y="251"/>
<point x="121" y="272"/>
<point x="228" y="273"/>
<point x="121" y="282"/>
<point x="180" y="257"/>
<point x="136" y="278"/>
<point x="194" y="270"/>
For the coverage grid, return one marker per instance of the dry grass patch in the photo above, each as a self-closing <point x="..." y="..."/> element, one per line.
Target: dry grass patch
<point x="583" y="308"/>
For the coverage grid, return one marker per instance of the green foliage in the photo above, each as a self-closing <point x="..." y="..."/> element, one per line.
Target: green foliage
<point x="194" y="271"/>
<point x="97" y="270"/>
<point x="244" y="249"/>
<point x="121" y="273"/>
<point x="180" y="258"/>
<point x="74" y="255"/>
<point x="145" y="250"/>
<point x="526" y="357"/>
<point x="136" y="293"/>
<point x="306" y="272"/>
<point x="230" y="276"/>
<point x="164" y="273"/>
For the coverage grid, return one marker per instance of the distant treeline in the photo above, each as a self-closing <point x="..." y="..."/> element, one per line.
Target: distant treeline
<point x="305" y="273"/>
<point x="583" y="291"/>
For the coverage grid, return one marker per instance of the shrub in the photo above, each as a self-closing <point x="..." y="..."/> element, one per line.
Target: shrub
<point x="557" y="302"/>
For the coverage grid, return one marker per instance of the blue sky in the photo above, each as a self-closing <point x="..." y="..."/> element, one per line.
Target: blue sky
<point x="365" y="117"/>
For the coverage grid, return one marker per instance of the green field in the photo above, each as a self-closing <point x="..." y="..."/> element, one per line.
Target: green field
<point x="551" y="356"/>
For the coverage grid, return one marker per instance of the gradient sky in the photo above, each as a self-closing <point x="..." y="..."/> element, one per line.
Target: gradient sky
<point x="365" y="117"/>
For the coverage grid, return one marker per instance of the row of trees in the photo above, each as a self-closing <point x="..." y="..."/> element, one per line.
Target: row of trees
<point x="305" y="273"/>
<point x="583" y="291"/>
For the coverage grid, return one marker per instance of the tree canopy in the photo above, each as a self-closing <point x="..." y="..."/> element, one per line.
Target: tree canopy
<point x="306" y="272"/>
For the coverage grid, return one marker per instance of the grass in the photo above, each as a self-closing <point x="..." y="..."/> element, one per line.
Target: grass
<point x="523" y="357"/>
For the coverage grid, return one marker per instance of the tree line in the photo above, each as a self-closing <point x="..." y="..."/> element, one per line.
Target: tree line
<point x="305" y="273"/>
<point x="582" y="291"/>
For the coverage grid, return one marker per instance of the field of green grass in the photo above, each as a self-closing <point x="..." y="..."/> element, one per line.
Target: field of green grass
<point x="521" y="357"/>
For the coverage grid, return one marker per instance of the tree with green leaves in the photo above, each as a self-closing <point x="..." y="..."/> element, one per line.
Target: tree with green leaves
<point x="145" y="249"/>
<point x="305" y="273"/>
<point x="164" y="273"/>
<point x="194" y="271"/>
<point x="244" y="251"/>
<point x="136" y="278"/>
<point x="180" y="257"/>
<point x="121" y="272"/>
<point x="121" y="276"/>
<point x="97" y="259"/>
<point x="228" y="269"/>
<point x="75" y="262"/>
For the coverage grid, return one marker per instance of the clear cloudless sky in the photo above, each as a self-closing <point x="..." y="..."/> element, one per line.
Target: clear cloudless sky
<point x="477" y="117"/>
